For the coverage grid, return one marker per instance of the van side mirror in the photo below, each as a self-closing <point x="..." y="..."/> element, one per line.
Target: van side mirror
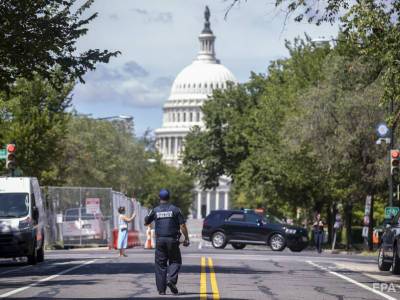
<point x="35" y="214"/>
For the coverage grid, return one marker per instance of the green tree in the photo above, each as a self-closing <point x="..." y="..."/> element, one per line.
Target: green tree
<point x="33" y="115"/>
<point x="243" y="137"/>
<point x="371" y="27"/>
<point x="160" y="175"/>
<point x="337" y="124"/>
<point x="100" y="153"/>
<point x="36" y="37"/>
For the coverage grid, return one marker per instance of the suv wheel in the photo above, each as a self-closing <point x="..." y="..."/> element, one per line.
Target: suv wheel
<point x="277" y="242"/>
<point x="218" y="240"/>
<point x="395" y="261"/>
<point x="382" y="265"/>
<point x="238" y="246"/>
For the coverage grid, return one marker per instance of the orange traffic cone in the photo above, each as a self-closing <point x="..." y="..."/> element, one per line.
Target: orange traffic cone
<point x="148" y="244"/>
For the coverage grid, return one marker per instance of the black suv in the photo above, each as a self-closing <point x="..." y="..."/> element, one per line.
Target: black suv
<point x="242" y="227"/>
<point x="389" y="251"/>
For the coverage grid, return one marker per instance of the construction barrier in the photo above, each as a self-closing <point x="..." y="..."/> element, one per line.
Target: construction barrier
<point x="375" y="237"/>
<point x="133" y="239"/>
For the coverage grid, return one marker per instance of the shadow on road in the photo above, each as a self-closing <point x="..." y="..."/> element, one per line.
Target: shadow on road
<point x="168" y="296"/>
<point x="120" y="267"/>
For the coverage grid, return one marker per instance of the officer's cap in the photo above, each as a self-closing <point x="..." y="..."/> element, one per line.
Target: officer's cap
<point x="164" y="194"/>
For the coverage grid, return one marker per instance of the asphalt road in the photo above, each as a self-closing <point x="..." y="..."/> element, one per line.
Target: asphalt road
<point x="207" y="273"/>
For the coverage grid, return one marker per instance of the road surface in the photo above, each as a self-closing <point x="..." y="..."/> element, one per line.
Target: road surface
<point x="207" y="273"/>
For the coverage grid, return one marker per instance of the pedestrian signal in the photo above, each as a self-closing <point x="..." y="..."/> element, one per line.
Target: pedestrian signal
<point x="394" y="162"/>
<point x="11" y="158"/>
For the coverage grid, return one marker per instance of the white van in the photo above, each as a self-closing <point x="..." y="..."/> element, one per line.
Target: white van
<point x="22" y="219"/>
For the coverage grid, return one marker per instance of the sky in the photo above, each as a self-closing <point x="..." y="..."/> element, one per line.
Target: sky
<point x="158" y="38"/>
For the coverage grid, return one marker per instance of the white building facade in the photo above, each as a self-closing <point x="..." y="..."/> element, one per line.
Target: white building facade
<point x="191" y="88"/>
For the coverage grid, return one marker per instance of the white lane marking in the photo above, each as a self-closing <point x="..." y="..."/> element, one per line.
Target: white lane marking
<point x="13" y="292"/>
<point x="352" y="281"/>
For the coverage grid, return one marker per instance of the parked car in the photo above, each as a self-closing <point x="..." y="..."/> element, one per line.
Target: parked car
<point x="389" y="251"/>
<point x="80" y="227"/>
<point x="245" y="227"/>
<point x="22" y="219"/>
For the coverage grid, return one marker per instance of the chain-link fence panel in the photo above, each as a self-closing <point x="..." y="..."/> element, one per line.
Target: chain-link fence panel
<point x="79" y="216"/>
<point x="82" y="216"/>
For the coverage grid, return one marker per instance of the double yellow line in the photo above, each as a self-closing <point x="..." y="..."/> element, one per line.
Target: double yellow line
<point x="203" y="279"/>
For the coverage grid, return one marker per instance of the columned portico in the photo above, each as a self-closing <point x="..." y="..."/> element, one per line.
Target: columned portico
<point x="209" y="200"/>
<point x="199" y="205"/>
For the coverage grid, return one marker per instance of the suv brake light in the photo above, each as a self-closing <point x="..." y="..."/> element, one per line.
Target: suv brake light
<point x="205" y="222"/>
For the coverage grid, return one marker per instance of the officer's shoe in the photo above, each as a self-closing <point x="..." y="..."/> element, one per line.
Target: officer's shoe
<point x="173" y="288"/>
<point x="161" y="293"/>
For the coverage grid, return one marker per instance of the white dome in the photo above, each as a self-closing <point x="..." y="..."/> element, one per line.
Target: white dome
<point x="199" y="79"/>
<point x="191" y="88"/>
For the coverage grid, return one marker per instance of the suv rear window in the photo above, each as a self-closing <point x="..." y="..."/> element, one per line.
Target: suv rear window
<point x="236" y="217"/>
<point x="216" y="217"/>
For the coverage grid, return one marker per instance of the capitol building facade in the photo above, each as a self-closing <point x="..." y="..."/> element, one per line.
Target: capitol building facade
<point x="191" y="88"/>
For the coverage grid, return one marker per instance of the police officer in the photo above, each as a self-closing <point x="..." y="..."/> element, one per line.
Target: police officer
<point x="169" y="223"/>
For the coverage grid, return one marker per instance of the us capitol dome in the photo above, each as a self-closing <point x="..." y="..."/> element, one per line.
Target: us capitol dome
<point x="191" y="88"/>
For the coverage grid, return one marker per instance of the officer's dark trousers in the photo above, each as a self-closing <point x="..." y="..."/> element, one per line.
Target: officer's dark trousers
<point x="168" y="262"/>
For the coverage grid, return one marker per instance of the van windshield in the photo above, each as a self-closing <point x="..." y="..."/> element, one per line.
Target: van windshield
<point x="14" y="205"/>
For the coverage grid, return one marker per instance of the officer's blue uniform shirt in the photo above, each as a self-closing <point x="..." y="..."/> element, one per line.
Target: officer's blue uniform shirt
<point x="167" y="218"/>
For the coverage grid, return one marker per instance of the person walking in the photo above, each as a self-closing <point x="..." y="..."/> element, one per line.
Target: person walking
<point x="169" y="223"/>
<point x="123" y="221"/>
<point x="318" y="228"/>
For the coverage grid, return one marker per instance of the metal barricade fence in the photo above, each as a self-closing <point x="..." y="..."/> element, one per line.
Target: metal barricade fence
<point x="79" y="216"/>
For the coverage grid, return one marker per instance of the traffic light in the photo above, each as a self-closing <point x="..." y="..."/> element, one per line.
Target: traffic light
<point x="11" y="161"/>
<point x="394" y="162"/>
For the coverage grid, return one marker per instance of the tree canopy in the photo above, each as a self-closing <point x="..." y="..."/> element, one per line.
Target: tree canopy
<point x="99" y="153"/>
<point x="34" y="117"/>
<point x="301" y="136"/>
<point x="37" y="37"/>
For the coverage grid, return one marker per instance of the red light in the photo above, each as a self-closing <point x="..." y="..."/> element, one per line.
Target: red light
<point x="395" y="154"/>
<point x="11" y="148"/>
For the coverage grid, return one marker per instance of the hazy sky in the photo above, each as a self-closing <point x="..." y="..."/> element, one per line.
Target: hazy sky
<point x="158" y="38"/>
